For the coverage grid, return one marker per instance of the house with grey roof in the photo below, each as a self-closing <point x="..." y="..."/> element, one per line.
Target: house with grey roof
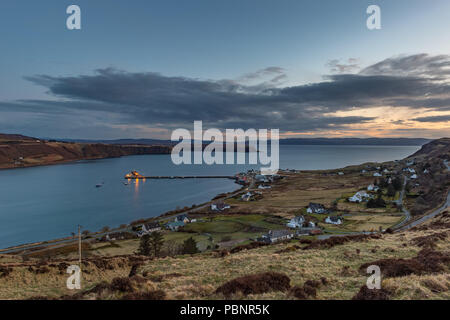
<point x="316" y="208"/>
<point x="276" y="235"/>
<point x="175" y="225"/>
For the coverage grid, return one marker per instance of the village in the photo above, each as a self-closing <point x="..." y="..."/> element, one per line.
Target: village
<point x="296" y="223"/>
<point x="292" y="204"/>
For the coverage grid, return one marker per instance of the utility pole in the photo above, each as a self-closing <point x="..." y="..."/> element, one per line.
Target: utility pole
<point x="79" y="250"/>
<point x="79" y="244"/>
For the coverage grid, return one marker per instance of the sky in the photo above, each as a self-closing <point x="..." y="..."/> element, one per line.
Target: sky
<point x="142" y="68"/>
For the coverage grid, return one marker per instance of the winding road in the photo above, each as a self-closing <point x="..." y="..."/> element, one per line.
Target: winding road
<point x="402" y="226"/>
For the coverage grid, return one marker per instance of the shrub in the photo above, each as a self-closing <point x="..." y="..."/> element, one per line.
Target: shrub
<point x="256" y="284"/>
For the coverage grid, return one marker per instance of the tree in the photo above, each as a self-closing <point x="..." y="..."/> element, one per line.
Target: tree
<point x="376" y="203"/>
<point x="391" y="191"/>
<point x="151" y="244"/>
<point x="144" y="245"/>
<point x="156" y="241"/>
<point x="397" y="183"/>
<point x="190" y="246"/>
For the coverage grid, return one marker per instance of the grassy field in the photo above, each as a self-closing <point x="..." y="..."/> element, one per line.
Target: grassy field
<point x="198" y="276"/>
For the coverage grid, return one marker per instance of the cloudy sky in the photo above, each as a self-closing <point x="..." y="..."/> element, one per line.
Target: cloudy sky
<point x="139" y="69"/>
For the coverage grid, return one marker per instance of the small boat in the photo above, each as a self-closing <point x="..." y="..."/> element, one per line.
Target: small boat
<point x="126" y="183"/>
<point x="99" y="185"/>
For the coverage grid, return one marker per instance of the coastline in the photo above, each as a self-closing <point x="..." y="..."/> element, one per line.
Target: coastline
<point x="163" y="216"/>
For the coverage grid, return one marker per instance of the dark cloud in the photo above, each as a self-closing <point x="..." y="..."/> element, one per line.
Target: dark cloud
<point x="433" y="119"/>
<point x="114" y="97"/>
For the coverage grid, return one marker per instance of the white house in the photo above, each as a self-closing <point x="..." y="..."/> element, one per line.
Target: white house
<point x="333" y="220"/>
<point x="414" y="176"/>
<point x="150" y="227"/>
<point x="247" y="196"/>
<point x="359" y="196"/>
<point x="340" y="173"/>
<point x="372" y="187"/>
<point x="363" y="171"/>
<point x="410" y="170"/>
<point x="316" y="208"/>
<point x="377" y="174"/>
<point x="264" y="187"/>
<point x="296" y="222"/>
<point x="219" y="206"/>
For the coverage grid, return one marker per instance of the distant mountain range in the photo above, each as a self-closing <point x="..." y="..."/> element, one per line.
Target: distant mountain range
<point x="291" y="141"/>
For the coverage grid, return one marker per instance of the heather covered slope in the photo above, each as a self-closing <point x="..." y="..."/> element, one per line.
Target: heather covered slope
<point x="19" y="151"/>
<point x="415" y="265"/>
<point x="439" y="148"/>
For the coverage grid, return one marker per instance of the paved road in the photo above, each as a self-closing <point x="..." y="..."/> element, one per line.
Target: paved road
<point x="430" y="215"/>
<point x="426" y="217"/>
<point x="399" y="202"/>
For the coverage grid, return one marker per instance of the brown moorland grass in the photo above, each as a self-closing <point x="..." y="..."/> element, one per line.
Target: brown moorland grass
<point x="256" y="284"/>
<point x="198" y="276"/>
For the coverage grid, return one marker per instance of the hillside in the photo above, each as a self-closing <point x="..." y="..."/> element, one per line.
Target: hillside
<point x="19" y="151"/>
<point x="415" y="265"/>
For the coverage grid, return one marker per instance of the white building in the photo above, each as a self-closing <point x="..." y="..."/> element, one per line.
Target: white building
<point x="219" y="206"/>
<point x="359" y="196"/>
<point x="296" y="222"/>
<point x="247" y="196"/>
<point x="377" y="174"/>
<point x="333" y="220"/>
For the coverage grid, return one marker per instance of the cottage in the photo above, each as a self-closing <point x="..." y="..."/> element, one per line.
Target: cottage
<point x="296" y="222"/>
<point x="182" y="218"/>
<point x="174" y="226"/>
<point x="372" y="187"/>
<point x="414" y="176"/>
<point x="316" y="208"/>
<point x="261" y="186"/>
<point x="276" y="235"/>
<point x="150" y="227"/>
<point x="359" y="196"/>
<point x="333" y="220"/>
<point x="363" y="171"/>
<point x="219" y="206"/>
<point x="340" y="173"/>
<point x="377" y="174"/>
<point x="247" y="196"/>
<point x="410" y="170"/>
